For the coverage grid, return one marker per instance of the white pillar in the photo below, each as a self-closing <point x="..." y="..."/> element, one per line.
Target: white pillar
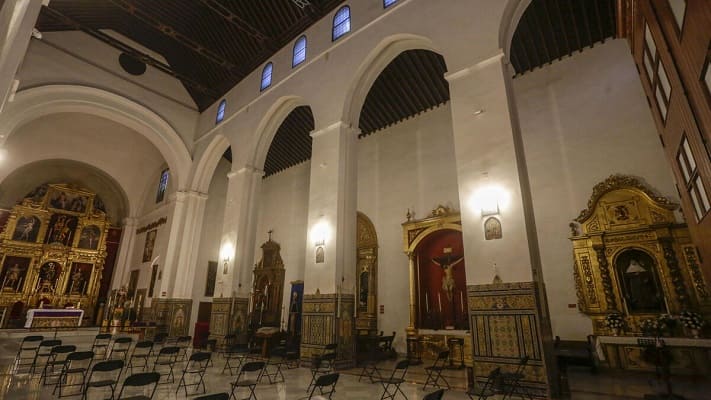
<point x="123" y="261"/>
<point x="17" y="18"/>
<point x="187" y="252"/>
<point x="489" y="155"/>
<point x="239" y="232"/>
<point x="332" y="209"/>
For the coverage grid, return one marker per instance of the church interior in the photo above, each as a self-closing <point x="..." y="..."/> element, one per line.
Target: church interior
<point x="283" y="199"/>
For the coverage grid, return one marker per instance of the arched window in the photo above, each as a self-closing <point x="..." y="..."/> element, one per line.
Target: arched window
<point x="341" y="22"/>
<point x="299" y="51"/>
<point x="388" y="3"/>
<point x="220" y="111"/>
<point x="266" y="76"/>
<point x="162" y="185"/>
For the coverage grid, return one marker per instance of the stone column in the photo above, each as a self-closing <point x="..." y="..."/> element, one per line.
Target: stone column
<point x="329" y="276"/>
<point x="492" y="179"/>
<point x="123" y="261"/>
<point x="17" y="18"/>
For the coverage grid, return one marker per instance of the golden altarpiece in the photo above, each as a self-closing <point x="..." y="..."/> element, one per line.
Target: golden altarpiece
<point x="268" y="286"/>
<point x="53" y="251"/>
<point x="631" y="257"/>
<point x="366" y="276"/>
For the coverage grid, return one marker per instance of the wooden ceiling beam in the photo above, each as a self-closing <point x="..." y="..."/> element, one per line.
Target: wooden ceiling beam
<point x="559" y="14"/>
<point x="237" y="21"/>
<point x="586" y="20"/>
<point x="539" y="30"/>
<point x="549" y="24"/>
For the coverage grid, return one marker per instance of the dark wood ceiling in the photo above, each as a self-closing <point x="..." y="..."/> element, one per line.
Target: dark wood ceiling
<point x="552" y="29"/>
<point x="210" y="45"/>
<point x="412" y="83"/>
<point x="292" y="143"/>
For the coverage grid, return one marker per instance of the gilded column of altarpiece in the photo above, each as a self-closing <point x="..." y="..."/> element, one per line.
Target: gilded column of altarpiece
<point x="53" y="251"/>
<point x="632" y="257"/>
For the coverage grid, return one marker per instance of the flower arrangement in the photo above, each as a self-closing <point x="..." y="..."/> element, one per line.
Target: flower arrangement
<point x="692" y="321"/>
<point x="614" y="321"/>
<point x="649" y="326"/>
<point x="659" y="325"/>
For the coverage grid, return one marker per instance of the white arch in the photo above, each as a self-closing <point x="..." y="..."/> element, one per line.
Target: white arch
<point x="205" y="166"/>
<point x="36" y="102"/>
<point x="509" y="22"/>
<point x="267" y="128"/>
<point x="373" y="65"/>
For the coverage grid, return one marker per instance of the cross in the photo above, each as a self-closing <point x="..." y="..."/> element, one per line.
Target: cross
<point x="270" y="234"/>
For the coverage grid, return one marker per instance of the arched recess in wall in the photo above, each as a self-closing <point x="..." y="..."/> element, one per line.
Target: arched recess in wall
<point x="26" y="178"/>
<point x="205" y="166"/>
<point x="269" y="125"/>
<point x="36" y="102"/>
<point x="369" y="70"/>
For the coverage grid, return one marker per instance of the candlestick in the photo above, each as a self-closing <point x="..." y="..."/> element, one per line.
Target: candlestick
<point x="83" y="288"/>
<point x="71" y="288"/>
<point x="439" y="298"/>
<point x="19" y="285"/>
<point x="3" y="282"/>
<point x="427" y="303"/>
<point x="461" y="300"/>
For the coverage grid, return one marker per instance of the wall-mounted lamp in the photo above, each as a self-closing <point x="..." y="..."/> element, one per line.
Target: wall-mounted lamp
<point x="225" y="254"/>
<point x="490" y="200"/>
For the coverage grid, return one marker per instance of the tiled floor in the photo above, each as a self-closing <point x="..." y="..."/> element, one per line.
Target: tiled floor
<point x="583" y="385"/>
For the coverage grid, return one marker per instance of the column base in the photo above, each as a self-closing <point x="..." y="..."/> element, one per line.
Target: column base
<point x="506" y="325"/>
<point x="323" y="324"/>
<point x="173" y="315"/>
<point x="229" y="316"/>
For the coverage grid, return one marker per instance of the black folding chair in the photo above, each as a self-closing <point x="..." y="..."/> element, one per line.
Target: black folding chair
<point x="100" y="347"/>
<point x="396" y="379"/>
<point x="486" y="391"/>
<point x="142" y="380"/>
<point x="434" y="371"/>
<point x="76" y="363"/>
<point x="323" y="364"/>
<point x="196" y="365"/>
<point x="436" y="395"/>
<point x="44" y="351"/>
<point x="141" y="352"/>
<point x="326" y="385"/>
<point x="234" y="355"/>
<point x="511" y="381"/>
<point x="167" y="356"/>
<point x="272" y="368"/>
<point x="107" y="377"/>
<point x="27" y="351"/>
<point x="374" y="355"/>
<point x="183" y="342"/>
<point x="56" y="360"/>
<point x="228" y="341"/>
<point x="120" y="348"/>
<point x="244" y="380"/>
<point x="214" y="396"/>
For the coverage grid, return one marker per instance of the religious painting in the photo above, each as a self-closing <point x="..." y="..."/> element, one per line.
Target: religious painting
<point x="79" y="277"/>
<point x="14" y="273"/>
<point x="133" y="282"/>
<point x="295" y="307"/>
<point x="148" y="246"/>
<point x="48" y="275"/>
<point x="154" y="273"/>
<point x="492" y="229"/>
<point x="26" y="229"/>
<point x="68" y="201"/>
<point x="211" y="278"/>
<point x="639" y="282"/>
<point x="89" y="237"/>
<point x="320" y="255"/>
<point x="61" y="229"/>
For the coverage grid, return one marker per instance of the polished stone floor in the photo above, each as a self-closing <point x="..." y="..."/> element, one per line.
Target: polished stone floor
<point x="584" y="386"/>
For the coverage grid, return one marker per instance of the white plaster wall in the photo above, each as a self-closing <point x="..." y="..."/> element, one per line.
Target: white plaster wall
<point x="582" y="119"/>
<point x="209" y="249"/>
<point x="408" y="165"/>
<point x="284" y="208"/>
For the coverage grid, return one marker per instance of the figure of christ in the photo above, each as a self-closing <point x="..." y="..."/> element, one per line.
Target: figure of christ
<point x="447" y="263"/>
<point x="29" y="225"/>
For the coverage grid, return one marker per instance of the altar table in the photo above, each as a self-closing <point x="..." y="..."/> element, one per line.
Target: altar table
<point x="689" y="356"/>
<point x="54" y="318"/>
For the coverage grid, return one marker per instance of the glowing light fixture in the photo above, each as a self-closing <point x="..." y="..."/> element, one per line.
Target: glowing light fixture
<point x="225" y="254"/>
<point x="490" y="200"/>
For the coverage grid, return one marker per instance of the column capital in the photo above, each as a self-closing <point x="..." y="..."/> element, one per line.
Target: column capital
<point x="246" y="168"/>
<point x="337" y="126"/>
<point x="187" y="193"/>
<point x="453" y="76"/>
<point x="130" y="221"/>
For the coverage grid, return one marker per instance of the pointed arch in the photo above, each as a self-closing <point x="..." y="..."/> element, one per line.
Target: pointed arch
<point x="207" y="163"/>
<point x="268" y="126"/>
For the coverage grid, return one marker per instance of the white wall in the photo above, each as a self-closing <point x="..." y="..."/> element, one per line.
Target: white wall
<point x="284" y="208"/>
<point x="408" y="165"/>
<point x="582" y="119"/>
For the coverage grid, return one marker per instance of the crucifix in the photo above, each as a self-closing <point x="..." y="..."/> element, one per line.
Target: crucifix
<point x="270" y="234"/>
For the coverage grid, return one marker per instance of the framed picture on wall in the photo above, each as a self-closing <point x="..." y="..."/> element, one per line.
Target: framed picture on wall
<point x="211" y="277"/>
<point x="133" y="282"/>
<point x="148" y="246"/>
<point x="154" y="274"/>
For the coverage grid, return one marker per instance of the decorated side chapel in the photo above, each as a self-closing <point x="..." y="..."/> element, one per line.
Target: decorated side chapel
<point x="633" y="263"/>
<point x="53" y="251"/>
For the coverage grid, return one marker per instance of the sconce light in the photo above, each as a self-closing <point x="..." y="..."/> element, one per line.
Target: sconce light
<point x="320" y="233"/>
<point x="490" y="200"/>
<point x="225" y="253"/>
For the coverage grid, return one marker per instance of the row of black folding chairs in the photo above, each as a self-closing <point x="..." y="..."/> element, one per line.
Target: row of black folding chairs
<point x="509" y="383"/>
<point x="109" y="347"/>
